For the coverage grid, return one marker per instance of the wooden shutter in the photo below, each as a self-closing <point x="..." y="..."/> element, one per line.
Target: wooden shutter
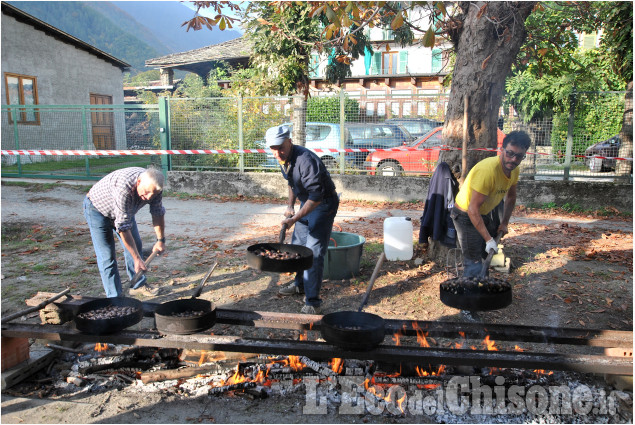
<point x="437" y="60"/>
<point x="375" y="68"/>
<point x="314" y="67"/>
<point x="403" y="62"/>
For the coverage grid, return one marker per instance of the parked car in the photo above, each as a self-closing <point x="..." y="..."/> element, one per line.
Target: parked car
<point x="417" y="127"/>
<point x="320" y="135"/>
<point x="377" y="136"/>
<point x="610" y="148"/>
<point x="422" y="161"/>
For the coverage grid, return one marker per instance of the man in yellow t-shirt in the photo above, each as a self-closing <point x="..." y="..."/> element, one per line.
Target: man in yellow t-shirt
<point x="487" y="184"/>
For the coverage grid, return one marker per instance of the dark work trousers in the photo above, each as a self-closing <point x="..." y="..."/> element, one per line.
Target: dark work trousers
<point x="314" y="232"/>
<point x="470" y="240"/>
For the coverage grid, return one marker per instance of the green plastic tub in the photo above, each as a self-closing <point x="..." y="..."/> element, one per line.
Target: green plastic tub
<point x="343" y="256"/>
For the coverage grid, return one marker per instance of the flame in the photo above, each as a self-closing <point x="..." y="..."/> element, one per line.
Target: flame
<point x="462" y="334"/>
<point x="429" y="386"/>
<point x="400" y="403"/>
<point x="203" y="356"/>
<point x="490" y="345"/>
<point x="303" y="336"/>
<point x="458" y="345"/>
<point x="295" y="363"/>
<point x="99" y="347"/>
<point x="423" y="372"/>
<point x="311" y="326"/>
<point x="337" y="365"/>
<point x="421" y="336"/>
<point x="542" y="372"/>
<point x="517" y="348"/>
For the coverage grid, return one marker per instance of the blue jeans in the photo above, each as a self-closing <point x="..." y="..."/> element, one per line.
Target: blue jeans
<point x="102" y="231"/>
<point x="314" y="232"/>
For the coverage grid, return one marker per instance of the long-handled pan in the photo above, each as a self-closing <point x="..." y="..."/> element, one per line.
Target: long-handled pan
<point x="108" y="315"/>
<point x="140" y="273"/>
<point x="279" y="257"/>
<point x="355" y="330"/>
<point x="186" y="316"/>
<point x="478" y="293"/>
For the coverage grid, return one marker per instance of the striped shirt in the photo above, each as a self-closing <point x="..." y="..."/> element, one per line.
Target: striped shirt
<point x="115" y="196"/>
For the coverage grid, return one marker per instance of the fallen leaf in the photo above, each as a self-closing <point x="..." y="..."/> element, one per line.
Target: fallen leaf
<point x="597" y="311"/>
<point x="581" y="322"/>
<point x="568" y="300"/>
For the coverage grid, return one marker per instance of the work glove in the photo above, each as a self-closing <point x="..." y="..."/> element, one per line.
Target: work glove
<point x="491" y="245"/>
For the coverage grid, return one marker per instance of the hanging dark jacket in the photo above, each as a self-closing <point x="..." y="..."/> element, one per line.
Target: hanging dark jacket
<point x="435" y="221"/>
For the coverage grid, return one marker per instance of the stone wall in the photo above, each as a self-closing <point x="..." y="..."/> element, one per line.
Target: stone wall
<point x="588" y="195"/>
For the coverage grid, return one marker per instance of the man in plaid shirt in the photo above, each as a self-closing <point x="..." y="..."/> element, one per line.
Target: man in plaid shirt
<point x="111" y="205"/>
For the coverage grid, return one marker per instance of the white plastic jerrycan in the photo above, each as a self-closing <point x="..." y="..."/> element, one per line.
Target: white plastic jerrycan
<point x="398" y="238"/>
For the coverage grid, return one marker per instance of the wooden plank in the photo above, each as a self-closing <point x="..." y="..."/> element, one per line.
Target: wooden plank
<point x="39" y="359"/>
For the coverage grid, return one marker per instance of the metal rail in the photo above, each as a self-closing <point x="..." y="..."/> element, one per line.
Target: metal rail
<point x="321" y="350"/>
<point x="435" y="329"/>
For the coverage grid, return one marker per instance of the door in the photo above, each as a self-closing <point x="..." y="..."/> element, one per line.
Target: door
<point x="102" y="123"/>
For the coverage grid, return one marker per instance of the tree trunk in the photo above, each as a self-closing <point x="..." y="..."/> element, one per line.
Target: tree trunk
<point x="486" y="45"/>
<point x="626" y="149"/>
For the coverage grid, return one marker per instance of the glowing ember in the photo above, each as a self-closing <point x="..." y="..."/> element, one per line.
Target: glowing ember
<point x="101" y="347"/>
<point x="337" y="365"/>
<point x="303" y="336"/>
<point x="517" y="348"/>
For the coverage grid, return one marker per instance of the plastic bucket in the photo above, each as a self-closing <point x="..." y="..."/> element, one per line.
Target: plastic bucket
<point x="398" y="238"/>
<point x="343" y="256"/>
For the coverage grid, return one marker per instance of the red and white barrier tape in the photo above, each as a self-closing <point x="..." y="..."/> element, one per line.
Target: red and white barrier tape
<point x="68" y="152"/>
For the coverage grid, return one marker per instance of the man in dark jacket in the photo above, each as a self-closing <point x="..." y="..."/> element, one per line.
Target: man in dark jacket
<point x="311" y="184"/>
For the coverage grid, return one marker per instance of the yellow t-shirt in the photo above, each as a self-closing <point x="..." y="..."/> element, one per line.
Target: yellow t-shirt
<point x="487" y="178"/>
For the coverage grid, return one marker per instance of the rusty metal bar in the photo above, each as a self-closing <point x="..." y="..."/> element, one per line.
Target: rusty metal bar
<point x="312" y="349"/>
<point x="435" y="329"/>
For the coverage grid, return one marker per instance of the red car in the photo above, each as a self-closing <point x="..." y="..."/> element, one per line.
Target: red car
<point x="422" y="161"/>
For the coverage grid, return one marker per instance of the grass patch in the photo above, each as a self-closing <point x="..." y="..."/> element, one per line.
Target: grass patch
<point x="78" y="166"/>
<point x="570" y="208"/>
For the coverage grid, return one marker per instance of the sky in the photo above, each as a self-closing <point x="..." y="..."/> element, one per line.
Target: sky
<point x="210" y="13"/>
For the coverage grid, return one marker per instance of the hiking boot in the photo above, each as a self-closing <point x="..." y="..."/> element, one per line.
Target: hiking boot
<point x="290" y="289"/>
<point x="147" y="290"/>
<point x="309" y="309"/>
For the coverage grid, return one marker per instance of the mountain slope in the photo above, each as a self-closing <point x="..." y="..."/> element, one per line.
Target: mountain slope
<point x="82" y="21"/>
<point x="131" y="31"/>
<point x="164" y="19"/>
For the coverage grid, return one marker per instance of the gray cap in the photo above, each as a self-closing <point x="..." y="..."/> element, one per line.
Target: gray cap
<point x="276" y="136"/>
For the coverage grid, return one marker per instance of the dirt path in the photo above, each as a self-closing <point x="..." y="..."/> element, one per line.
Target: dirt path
<point x="569" y="270"/>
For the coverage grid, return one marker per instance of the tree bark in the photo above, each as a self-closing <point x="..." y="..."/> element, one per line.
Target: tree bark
<point x="486" y="45"/>
<point x="626" y="149"/>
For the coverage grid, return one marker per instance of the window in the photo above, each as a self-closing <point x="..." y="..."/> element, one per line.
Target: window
<point x="22" y="90"/>
<point x="370" y="109"/>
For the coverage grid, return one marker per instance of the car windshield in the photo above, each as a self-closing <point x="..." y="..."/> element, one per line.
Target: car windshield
<point x="418" y="140"/>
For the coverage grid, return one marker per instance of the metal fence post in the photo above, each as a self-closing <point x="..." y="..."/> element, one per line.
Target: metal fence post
<point x="164" y="132"/>
<point x="16" y="136"/>
<point x="85" y="138"/>
<point x="241" y="141"/>
<point x="342" y="130"/>
<point x="567" y="158"/>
